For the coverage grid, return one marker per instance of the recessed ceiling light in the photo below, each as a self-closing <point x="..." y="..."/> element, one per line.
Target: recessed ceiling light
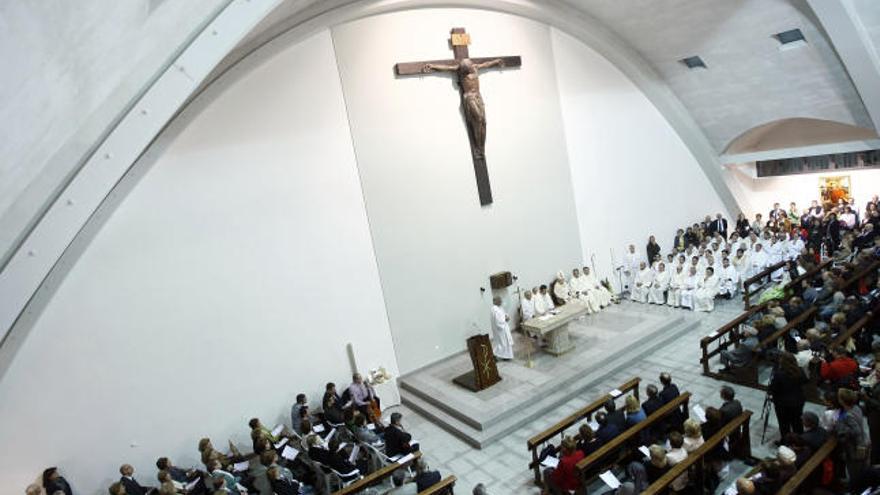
<point x="694" y="62"/>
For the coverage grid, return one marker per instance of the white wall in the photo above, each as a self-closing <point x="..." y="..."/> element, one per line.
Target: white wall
<point x="632" y="174"/>
<point x="757" y="195"/>
<point x="435" y="246"/>
<point x="229" y="279"/>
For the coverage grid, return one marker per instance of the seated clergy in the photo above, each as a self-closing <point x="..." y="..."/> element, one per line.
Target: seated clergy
<point x="728" y="279"/>
<point x="659" y="285"/>
<point x="707" y="289"/>
<point x="688" y="288"/>
<point x="603" y="295"/>
<point x="527" y="306"/>
<point x="561" y="291"/>
<point x="641" y="284"/>
<point x="586" y="295"/>
<point x="676" y="282"/>
<point x="543" y="301"/>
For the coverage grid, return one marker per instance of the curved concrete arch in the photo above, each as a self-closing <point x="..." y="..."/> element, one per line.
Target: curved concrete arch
<point x="243" y="28"/>
<point x="796" y="132"/>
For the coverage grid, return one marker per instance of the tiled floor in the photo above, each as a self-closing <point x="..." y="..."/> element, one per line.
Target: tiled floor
<point x="503" y="466"/>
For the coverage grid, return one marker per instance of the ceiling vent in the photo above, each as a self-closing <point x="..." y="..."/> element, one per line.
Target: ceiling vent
<point x="694" y="62"/>
<point x="792" y="38"/>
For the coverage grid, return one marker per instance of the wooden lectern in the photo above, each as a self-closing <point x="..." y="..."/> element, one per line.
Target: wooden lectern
<point x="485" y="373"/>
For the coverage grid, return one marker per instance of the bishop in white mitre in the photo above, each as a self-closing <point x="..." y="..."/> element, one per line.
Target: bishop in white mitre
<point x="644" y="277"/>
<point x="527" y="306"/>
<point x="561" y="289"/>
<point x="659" y="285"/>
<point x="602" y="294"/>
<point x="728" y="279"/>
<point x="707" y="289"/>
<point x="688" y="288"/>
<point x="676" y="282"/>
<point x="502" y="340"/>
<point x="578" y="286"/>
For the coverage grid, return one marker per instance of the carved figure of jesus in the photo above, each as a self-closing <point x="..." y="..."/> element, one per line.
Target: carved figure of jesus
<point x="471" y="100"/>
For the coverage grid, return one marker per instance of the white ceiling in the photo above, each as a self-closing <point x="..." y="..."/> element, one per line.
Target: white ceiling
<point x="749" y="81"/>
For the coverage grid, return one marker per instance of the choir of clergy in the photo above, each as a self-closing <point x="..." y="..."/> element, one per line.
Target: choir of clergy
<point x="583" y="288"/>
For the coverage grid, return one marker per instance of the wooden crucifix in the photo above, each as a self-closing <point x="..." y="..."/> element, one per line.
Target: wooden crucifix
<point x="467" y="70"/>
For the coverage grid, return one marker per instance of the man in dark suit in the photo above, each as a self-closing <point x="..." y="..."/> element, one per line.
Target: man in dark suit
<point x="615" y="416"/>
<point x="669" y="390"/>
<point x="607" y="431"/>
<point x="397" y="440"/>
<point x="731" y="408"/>
<point x="814" y="436"/>
<point x="132" y="487"/>
<point x="719" y="226"/>
<point x="653" y="402"/>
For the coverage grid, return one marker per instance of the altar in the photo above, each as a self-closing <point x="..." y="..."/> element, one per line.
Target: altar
<point x="553" y="327"/>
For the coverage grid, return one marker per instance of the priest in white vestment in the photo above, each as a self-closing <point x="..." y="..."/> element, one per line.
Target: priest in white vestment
<point x="758" y="260"/>
<point x="657" y="290"/>
<point x="631" y="260"/>
<point x="527" y="306"/>
<point x="602" y="294"/>
<point x="502" y="340"/>
<point x="561" y="289"/>
<point x="728" y="279"/>
<point x="688" y="288"/>
<point x="578" y="287"/>
<point x="543" y="302"/>
<point x="707" y="289"/>
<point x="676" y="282"/>
<point x="642" y="282"/>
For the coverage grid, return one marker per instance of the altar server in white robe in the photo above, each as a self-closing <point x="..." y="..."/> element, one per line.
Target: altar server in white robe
<point x="502" y="340"/>
<point x="643" y="281"/>
<point x="561" y="289"/>
<point x="603" y="295"/>
<point x="676" y="282"/>
<point x="728" y="279"/>
<point x="631" y="262"/>
<point x="659" y="286"/>
<point x="688" y="288"/>
<point x="707" y="289"/>
<point x="527" y="305"/>
<point x="585" y="294"/>
<point x="543" y="302"/>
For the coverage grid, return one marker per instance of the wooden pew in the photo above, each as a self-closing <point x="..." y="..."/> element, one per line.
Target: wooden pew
<point x="537" y="441"/>
<point x="615" y="450"/>
<point x="739" y="426"/>
<point x="796" y="282"/>
<point x="793" y="484"/>
<point x="444" y="487"/>
<point x="726" y="336"/>
<point x="376" y="477"/>
<point x="771" y="340"/>
<point x="763" y="273"/>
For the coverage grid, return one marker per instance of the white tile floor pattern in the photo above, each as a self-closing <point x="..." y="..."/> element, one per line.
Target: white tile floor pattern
<point x="503" y="466"/>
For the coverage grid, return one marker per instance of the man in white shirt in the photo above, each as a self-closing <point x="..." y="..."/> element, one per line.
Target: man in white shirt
<point x="728" y="279"/>
<point x="707" y="289"/>
<point x="657" y="290"/>
<point x="642" y="282"/>
<point x="527" y="306"/>
<point x="502" y="340"/>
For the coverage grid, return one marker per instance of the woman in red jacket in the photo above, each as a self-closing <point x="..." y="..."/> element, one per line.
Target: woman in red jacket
<point x="564" y="478"/>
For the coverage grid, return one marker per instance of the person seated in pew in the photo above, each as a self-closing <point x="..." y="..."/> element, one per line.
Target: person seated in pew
<point x="257" y="472"/>
<point x="425" y="477"/>
<point x="693" y="435"/>
<point x="634" y="412"/>
<point x="615" y="416"/>
<point x="607" y="431"/>
<point x="296" y="409"/>
<point x="730" y="408"/>
<point x="840" y="369"/>
<point x="397" y="440"/>
<point x="116" y="489"/>
<point x="362" y="433"/>
<point x="331" y="404"/>
<point x="814" y="436"/>
<point x="800" y="449"/>
<point x="586" y="440"/>
<point x="744" y="352"/>
<point x="675" y="454"/>
<point x="401" y="485"/>
<point x="280" y="484"/>
<point x="787" y="459"/>
<point x="53" y="482"/>
<point x="168" y="488"/>
<point x="564" y="478"/>
<point x="259" y="431"/>
<point x="321" y="453"/>
<point x="656" y="464"/>
<point x="669" y="390"/>
<point x="804" y="355"/>
<point x="653" y="402"/>
<point x="132" y="487"/>
<point x="209" y="453"/>
<point x="183" y="476"/>
<point x="222" y="479"/>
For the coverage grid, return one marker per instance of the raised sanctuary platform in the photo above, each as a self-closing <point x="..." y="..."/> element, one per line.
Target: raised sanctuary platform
<point x="604" y="344"/>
